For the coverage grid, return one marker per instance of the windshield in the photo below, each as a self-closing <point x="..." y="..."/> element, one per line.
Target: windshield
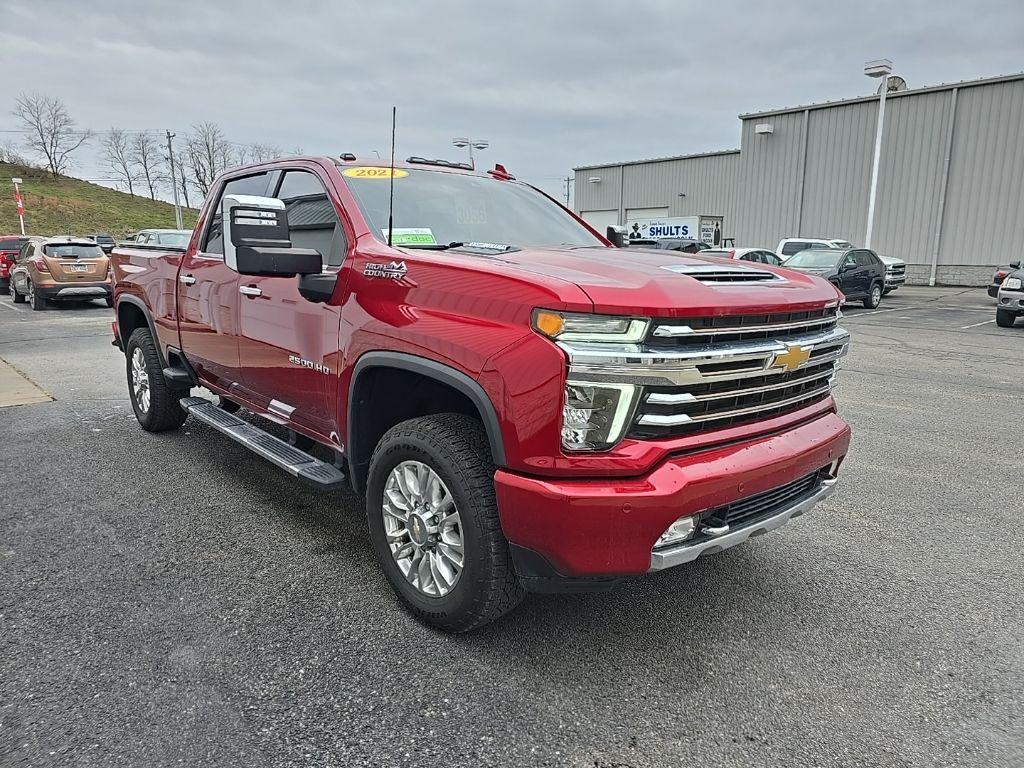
<point x="12" y="245"/>
<point x="73" y="251"/>
<point x="179" y="239"/>
<point x="438" y="208"/>
<point x="814" y="259"/>
<point x="103" y="239"/>
<point x="842" y="244"/>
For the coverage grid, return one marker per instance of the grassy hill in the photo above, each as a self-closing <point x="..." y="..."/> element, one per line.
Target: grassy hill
<point x="72" y="206"/>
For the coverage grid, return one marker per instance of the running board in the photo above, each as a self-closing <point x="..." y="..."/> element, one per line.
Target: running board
<point x="293" y="461"/>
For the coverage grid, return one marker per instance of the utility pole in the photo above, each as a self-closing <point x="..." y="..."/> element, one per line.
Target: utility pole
<point x="568" y="184"/>
<point x="174" y="180"/>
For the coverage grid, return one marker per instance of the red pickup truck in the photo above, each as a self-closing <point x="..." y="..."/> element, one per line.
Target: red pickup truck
<point x="523" y="406"/>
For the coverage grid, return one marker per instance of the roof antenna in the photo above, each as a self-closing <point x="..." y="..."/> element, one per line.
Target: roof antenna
<point x="391" y="194"/>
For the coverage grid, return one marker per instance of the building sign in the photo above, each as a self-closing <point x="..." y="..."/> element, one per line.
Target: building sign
<point x="654" y="229"/>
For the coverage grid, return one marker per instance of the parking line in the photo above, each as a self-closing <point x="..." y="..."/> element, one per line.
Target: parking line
<point x="984" y="322"/>
<point x="877" y="312"/>
<point x="7" y="306"/>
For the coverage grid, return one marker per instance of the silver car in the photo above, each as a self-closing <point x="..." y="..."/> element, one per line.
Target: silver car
<point x="1010" y="300"/>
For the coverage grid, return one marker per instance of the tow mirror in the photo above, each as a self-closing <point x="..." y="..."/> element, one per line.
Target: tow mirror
<point x="619" y="236"/>
<point x="257" y="240"/>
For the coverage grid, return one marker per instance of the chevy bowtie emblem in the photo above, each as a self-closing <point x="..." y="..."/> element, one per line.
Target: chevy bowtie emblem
<point x="792" y="358"/>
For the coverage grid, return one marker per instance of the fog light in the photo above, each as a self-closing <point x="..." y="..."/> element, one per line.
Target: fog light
<point x="681" y="530"/>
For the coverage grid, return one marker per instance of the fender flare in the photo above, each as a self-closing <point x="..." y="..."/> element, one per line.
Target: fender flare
<point x="135" y="301"/>
<point x="431" y="369"/>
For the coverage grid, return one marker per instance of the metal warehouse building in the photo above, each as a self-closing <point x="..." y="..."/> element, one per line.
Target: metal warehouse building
<point x="950" y="196"/>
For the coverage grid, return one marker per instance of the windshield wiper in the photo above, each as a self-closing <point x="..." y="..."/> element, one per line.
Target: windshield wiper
<point x="430" y="246"/>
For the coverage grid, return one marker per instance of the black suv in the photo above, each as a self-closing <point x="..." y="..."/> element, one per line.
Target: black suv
<point x="857" y="272"/>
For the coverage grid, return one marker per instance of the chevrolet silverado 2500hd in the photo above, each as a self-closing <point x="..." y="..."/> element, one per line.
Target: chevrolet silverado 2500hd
<point x="522" y="406"/>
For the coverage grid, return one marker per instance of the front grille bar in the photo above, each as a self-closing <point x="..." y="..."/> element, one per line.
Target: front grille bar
<point x="676" y="331"/>
<point x="681" y="398"/>
<point x="675" y="419"/>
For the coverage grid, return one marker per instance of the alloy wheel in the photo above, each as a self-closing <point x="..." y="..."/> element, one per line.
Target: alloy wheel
<point x="423" y="528"/>
<point x="140" y="380"/>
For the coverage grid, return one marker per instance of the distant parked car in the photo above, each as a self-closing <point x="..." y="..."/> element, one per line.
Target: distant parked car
<point x="1010" y="299"/>
<point x="790" y="245"/>
<point x="682" y="244"/>
<point x="9" y="247"/>
<point x="759" y="255"/>
<point x="1000" y="275"/>
<point x="60" y="269"/>
<point x="173" y="237"/>
<point x="895" y="272"/>
<point x="857" y="272"/>
<point x="103" y="240"/>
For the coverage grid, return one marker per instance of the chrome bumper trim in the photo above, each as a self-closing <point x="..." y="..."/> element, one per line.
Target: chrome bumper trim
<point x="687" y="552"/>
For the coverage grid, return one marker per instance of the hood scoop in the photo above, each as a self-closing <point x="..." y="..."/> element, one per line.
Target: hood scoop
<point x="711" y="274"/>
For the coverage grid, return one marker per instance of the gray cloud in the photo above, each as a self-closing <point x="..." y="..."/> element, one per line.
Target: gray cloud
<point x="551" y="85"/>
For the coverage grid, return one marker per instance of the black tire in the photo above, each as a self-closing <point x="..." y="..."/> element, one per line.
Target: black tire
<point x="16" y="297"/>
<point x="455" y="447"/>
<point x="109" y="301"/>
<point x="887" y="291"/>
<point x="874" y="297"/>
<point x="38" y="302"/>
<point x="1005" y="318"/>
<point x="164" y="410"/>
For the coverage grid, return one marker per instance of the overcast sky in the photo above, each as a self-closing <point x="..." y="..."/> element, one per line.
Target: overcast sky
<point x="550" y="84"/>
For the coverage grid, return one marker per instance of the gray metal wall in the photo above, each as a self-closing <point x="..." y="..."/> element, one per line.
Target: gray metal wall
<point x="951" y="178"/>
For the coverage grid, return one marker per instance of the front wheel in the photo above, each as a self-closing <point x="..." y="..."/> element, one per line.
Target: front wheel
<point x="874" y="298"/>
<point x="1005" y="318"/>
<point x="434" y="523"/>
<point x="154" y="401"/>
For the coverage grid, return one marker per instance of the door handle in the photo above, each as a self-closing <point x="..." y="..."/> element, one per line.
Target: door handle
<point x="249" y="290"/>
<point x="187" y="279"/>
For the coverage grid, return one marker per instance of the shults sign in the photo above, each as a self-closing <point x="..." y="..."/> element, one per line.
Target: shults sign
<point x="705" y="228"/>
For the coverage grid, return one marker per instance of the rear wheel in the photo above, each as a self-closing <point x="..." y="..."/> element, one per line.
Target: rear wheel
<point x="15" y="296"/>
<point x="38" y="302"/>
<point x="434" y="522"/>
<point x="154" y="401"/>
<point x="1005" y="318"/>
<point x="874" y="297"/>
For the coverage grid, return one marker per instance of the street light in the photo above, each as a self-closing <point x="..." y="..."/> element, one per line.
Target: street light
<point x="879" y="68"/>
<point x="462" y="141"/>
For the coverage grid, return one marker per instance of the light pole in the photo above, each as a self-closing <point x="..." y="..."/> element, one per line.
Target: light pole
<point x="462" y="141"/>
<point x="19" y="203"/>
<point x="879" y="68"/>
<point x="174" y="180"/>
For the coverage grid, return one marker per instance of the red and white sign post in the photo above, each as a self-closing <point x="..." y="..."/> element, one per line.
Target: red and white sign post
<point x="20" y="204"/>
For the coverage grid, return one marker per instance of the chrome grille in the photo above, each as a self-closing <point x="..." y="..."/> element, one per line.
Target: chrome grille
<point x="737" y="369"/>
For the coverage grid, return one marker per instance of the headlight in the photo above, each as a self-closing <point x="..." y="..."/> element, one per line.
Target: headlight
<point x="1012" y="284"/>
<point x="567" y="326"/>
<point x="595" y="415"/>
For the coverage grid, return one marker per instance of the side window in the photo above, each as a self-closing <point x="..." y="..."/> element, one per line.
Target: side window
<point x="794" y="247"/>
<point x="864" y="259"/>
<point x="246" y="185"/>
<point x="770" y="258"/>
<point x="312" y="220"/>
<point x="850" y="258"/>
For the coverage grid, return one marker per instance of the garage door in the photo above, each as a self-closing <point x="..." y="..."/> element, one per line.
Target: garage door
<point x="600" y="220"/>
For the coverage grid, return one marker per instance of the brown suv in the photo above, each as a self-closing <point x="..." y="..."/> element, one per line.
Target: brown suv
<point x="60" y="269"/>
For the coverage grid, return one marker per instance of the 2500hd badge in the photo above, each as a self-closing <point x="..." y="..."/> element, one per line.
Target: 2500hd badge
<point x="318" y="367"/>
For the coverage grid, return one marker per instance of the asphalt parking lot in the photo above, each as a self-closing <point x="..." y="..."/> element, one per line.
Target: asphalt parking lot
<point x="171" y="599"/>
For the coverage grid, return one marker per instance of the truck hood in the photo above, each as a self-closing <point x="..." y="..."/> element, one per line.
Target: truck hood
<point x="671" y="284"/>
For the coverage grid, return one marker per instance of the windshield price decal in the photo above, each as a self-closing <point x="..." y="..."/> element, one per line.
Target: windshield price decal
<point x="410" y="236"/>
<point x="373" y="172"/>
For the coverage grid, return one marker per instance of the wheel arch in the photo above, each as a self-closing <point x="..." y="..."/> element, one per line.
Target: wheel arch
<point x="365" y="429"/>
<point x="132" y="313"/>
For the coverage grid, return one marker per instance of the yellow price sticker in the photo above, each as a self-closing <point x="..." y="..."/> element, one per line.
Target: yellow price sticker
<point x="373" y="172"/>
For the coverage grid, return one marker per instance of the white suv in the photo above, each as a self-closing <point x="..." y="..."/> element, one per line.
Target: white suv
<point x="790" y="245"/>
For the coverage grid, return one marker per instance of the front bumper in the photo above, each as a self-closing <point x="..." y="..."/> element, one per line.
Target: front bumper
<point x="594" y="529"/>
<point x="892" y="283"/>
<point x="993" y="290"/>
<point x="1011" y="300"/>
<point x="74" y="291"/>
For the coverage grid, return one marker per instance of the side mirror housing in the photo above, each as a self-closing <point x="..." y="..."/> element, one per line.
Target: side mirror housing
<point x="1015" y="264"/>
<point x="847" y="266"/>
<point x="257" y="239"/>
<point x="619" y="236"/>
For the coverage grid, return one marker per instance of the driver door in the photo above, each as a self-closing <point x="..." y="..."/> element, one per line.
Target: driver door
<point x="289" y="346"/>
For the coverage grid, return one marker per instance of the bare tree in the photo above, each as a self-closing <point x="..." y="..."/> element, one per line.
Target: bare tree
<point x="50" y="129"/>
<point x="147" y="156"/>
<point x="257" y="153"/>
<point x="207" y="153"/>
<point x="182" y="182"/>
<point x="117" y="153"/>
<point x="10" y="154"/>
